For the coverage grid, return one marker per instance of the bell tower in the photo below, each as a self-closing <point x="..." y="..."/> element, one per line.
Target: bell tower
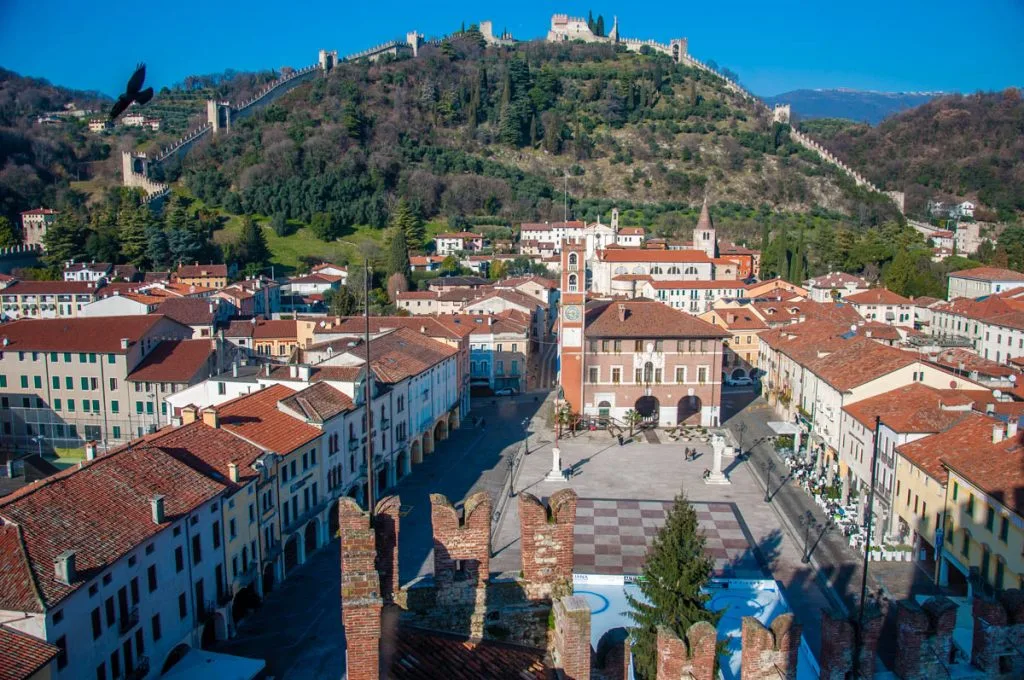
<point x="571" y="324"/>
<point x="704" y="237"/>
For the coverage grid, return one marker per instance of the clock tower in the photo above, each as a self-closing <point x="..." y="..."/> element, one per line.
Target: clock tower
<point x="571" y="358"/>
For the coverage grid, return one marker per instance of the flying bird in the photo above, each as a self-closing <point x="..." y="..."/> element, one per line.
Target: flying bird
<point x="132" y="93"/>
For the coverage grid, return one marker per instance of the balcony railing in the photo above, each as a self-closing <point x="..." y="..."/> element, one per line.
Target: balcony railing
<point x="128" y="621"/>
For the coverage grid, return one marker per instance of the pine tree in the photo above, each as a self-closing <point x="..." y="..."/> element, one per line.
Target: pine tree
<point x="406" y="218"/>
<point x="398" y="254"/>
<point x="176" y="215"/>
<point x="341" y="302"/>
<point x="132" y="234"/>
<point x="600" y="25"/>
<point x="8" y="236"/>
<point x="252" y="244"/>
<point x="676" y="570"/>
<point x="158" y="252"/>
<point x="590" y="20"/>
<point x="64" y="239"/>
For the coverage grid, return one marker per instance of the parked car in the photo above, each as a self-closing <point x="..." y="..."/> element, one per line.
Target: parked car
<point x="739" y="382"/>
<point x="505" y="392"/>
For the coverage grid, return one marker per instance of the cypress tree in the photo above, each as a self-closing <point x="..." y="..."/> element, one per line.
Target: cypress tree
<point x="676" y="570"/>
<point x="132" y="234"/>
<point x="398" y="254"/>
<point x="252" y="244"/>
<point x="406" y="218"/>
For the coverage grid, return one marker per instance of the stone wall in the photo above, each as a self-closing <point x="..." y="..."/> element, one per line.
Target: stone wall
<point x="839" y="640"/>
<point x="361" y="603"/>
<point x="692" y="657"/>
<point x="572" y="637"/>
<point x="546" y="538"/>
<point x="770" y="653"/>
<point x="924" y="638"/>
<point x="999" y="635"/>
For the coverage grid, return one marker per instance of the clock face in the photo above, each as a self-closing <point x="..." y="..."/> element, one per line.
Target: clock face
<point x="572" y="313"/>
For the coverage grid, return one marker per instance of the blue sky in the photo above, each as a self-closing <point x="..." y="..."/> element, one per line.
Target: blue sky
<point x="888" y="45"/>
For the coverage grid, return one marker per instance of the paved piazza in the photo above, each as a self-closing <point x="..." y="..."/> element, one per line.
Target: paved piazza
<point x="613" y="536"/>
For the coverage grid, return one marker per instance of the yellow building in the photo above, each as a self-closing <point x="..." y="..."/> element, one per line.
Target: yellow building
<point x="202" y="275"/>
<point x="979" y="466"/>
<point x="743" y="323"/>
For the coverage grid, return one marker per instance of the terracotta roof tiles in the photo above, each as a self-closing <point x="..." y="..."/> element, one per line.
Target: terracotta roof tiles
<point x="87" y="334"/>
<point x="403" y="353"/>
<point x="256" y="418"/>
<point x="640" y="318"/>
<point x="21" y="655"/>
<point x="913" y="408"/>
<point x="988" y="274"/>
<point x="877" y="296"/>
<point x="175" y="361"/>
<point x="319" y="402"/>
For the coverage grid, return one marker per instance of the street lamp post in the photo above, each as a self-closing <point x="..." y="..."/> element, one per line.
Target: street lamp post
<point x="808" y="522"/>
<point x="368" y="395"/>
<point x="742" y="428"/>
<point x="769" y="466"/>
<point x="39" y="441"/>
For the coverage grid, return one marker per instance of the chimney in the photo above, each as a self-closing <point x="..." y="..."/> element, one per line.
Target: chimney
<point x="293" y="371"/>
<point x="233" y="472"/>
<point x="124" y="343"/>
<point x="266" y="370"/>
<point x="64" y="567"/>
<point x="998" y="433"/>
<point x="1011" y="428"/>
<point x="211" y="417"/>
<point x="90" y="450"/>
<point x="990" y="409"/>
<point x="622" y="313"/>
<point x="234" y="369"/>
<point x="304" y="372"/>
<point x="188" y="414"/>
<point x="157" y="505"/>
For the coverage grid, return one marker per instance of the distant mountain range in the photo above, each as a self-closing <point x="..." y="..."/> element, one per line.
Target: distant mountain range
<point x="859" y="105"/>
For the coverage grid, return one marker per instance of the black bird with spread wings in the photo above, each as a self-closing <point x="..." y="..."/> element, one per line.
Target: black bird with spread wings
<point x="132" y="93"/>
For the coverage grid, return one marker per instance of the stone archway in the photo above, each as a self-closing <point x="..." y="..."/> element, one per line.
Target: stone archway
<point x="402" y="467"/>
<point x="310" y="536"/>
<point x="649" y="409"/>
<point x="441" y="430"/>
<point x="453" y="419"/>
<point x="268" y="578"/>
<point x="417" y="452"/>
<point x="291" y="554"/>
<point x="244" y="601"/>
<point x="688" y="410"/>
<point x="738" y="373"/>
<point x="604" y="411"/>
<point x="428" y="441"/>
<point x="174" y="656"/>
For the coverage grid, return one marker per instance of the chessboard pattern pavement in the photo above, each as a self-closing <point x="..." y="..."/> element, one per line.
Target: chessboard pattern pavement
<point x="612" y="536"/>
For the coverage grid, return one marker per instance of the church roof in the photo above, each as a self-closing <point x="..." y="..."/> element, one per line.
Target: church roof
<point x="704" y="221"/>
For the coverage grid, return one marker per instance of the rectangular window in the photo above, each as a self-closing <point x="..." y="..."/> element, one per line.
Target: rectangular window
<point x="182" y="606"/>
<point x="956" y="490"/>
<point x="616" y="375"/>
<point x="990" y="518"/>
<point x="702" y="374"/>
<point x="62" y="655"/>
<point x="970" y="505"/>
<point x="216" y="535"/>
<point x="680" y="374"/>
<point x="85" y="383"/>
<point x="179" y="559"/>
<point x="24" y="382"/>
<point x="965" y="549"/>
<point x="157" y="633"/>
<point x="592" y="374"/>
<point x="56" y="404"/>
<point x="197" y="549"/>
<point x="138" y="407"/>
<point x="101" y="672"/>
<point x="231" y="529"/>
<point x="69" y="383"/>
<point x="109" y="605"/>
<point x="55" y="381"/>
<point x="117" y="431"/>
<point x="115" y="664"/>
<point x="113" y="384"/>
<point x="115" y="407"/>
<point x="151" y="577"/>
<point x="97" y="623"/>
<point x="1004" y="528"/>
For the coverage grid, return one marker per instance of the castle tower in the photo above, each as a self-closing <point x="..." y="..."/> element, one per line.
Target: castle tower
<point x="218" y="114"/>
<point x="571" y="325"/>
<point x="780" y="114"/>
<point x="328" y="59"/>
<point x="615" y="220"/>
<point x="679" y="50"/>
<point x="704" y="237"/>
<point x="414" y="40"/>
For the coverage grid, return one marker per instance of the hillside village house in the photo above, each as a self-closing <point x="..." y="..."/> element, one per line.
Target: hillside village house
<point x="499" y="349"/>
<point x="45" y="299"/>
<point x="202" y="275"/>
<point x="551" y="233"/>
<point x="883" y="305"/>
<point x="834" y="286"/>
<point x="994" y="326"/>
<point x="973" y="283"/>
<point x="695" y="297"/>
<point x="87" y="271"/>
<point x="67" y="381"/>
<point x="457" y="242"/>
<point x="34" y="224"/>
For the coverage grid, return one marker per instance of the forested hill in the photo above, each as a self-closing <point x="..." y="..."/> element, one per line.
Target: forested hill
<point x="467" y="131"/>
<point x="957" y="146"/>
<point x="856" y="105"/>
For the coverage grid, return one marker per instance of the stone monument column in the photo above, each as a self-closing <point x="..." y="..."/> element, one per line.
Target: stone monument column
<point x="717" y="450"/>
<point x="555" y="474"/>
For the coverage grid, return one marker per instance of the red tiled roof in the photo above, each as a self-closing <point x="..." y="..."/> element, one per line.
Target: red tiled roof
<point x="318" y="373"/>
<point x="837" y="280"/>
<point x="460" y="234"/>
<point x="87" y="334"/>
<point x="100" y="510"/>
<point x="20" y="287"/>
<point x="403" y="353"/>
<point x="256" y="418"/>
<point x="423" y="655"/>
<point x="174" y="361"/>
<point x="740" y="319"/>
<point x="21" y="655"/>
<point x="697" y="285"/>
<point x="988" y="274"/>
<point x="40" y="211"/>
<point x="276" y="328"/>
<point x="962" y="359"/>
<point x="418" y="295"/>
<point x="632" y="231"/>
<point x="645" y="319"/>
<point x="859" y="361"/>
<point x="513" y="296"/>
<point x="913" y="408"/>
<point x="193" y="271"/>
<point x="319" y="402"/>
<point x="877" y="296"/>
<point x="548" y="226"/>
<point x="432" y="326"/>
<point x="209" y="450"/>
<point x="189" y="311"/>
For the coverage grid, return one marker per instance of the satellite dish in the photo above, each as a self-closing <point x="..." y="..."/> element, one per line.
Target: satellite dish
<point x="952" y="384"/>
<point x="853" y="328"/>
<point x="997" y="393"/>
<point x="1013" y="378"/>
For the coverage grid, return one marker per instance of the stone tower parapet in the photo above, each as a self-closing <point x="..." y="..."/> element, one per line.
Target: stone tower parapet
<point x="547" y="543"/>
